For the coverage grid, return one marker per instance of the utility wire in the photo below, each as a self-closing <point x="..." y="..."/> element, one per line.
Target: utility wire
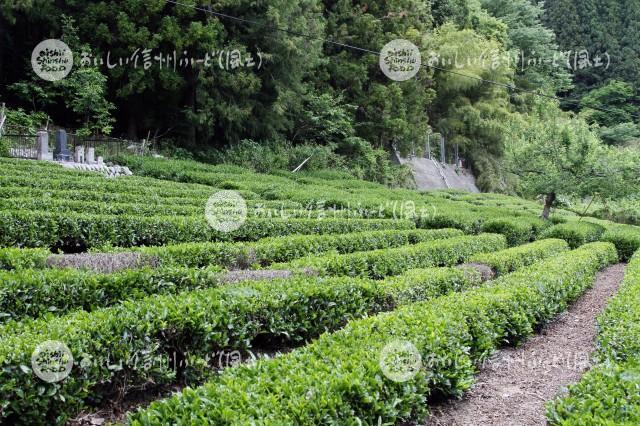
<point x="510" y="87"/>
<point x="273" y="27"/>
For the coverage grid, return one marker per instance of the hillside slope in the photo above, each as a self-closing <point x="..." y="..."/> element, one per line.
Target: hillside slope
<point x="430" y="175"/>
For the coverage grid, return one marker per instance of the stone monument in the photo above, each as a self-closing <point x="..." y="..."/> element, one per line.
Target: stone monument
<point x="43" y="146"/>
<point x="90" y="155"/>
<point x="61" y="152"/>
<point x="79" y="154"/>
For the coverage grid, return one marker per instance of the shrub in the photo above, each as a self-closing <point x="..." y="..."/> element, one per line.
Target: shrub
<point x="196" y="255"/>
<point x="469" y="222"/>
<point x="626" y="239"/>
<point x="35" y="293"/>
<point x="505" y="261"/>
<point x="136" y="334"/>
<point x="5" y="146"/>
<point x="192" y="324"/>
<point x="272" y="250"/>
<point x="575" y="233"/>
<point x="517" y="230"/>
<point x="143" y="207"/>
<point x="77" y="232"/>
<point x="282" y="249"/>
<point x="423" y="284"/>
<point x="15" y="258"/>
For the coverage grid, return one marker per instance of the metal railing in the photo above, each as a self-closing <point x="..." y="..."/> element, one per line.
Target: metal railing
<point x="104" y="146"/>
<point x="26" y="145"/>
<point x="22" y="146"/>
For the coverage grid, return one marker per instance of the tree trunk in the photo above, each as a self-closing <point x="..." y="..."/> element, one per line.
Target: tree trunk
<point x="549" y="199"/>
<point x="132" y="123"/>
<point x="191" y="102"/>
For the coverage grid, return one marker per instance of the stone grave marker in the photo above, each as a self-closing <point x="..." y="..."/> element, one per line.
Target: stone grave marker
<point x="79" y="154"/>
<point x="43" y="146"/>
<point x="61" y="152"/>
<point x="91" y="155"/>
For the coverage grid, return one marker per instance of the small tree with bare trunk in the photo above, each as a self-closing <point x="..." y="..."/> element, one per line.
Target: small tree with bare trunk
<point x="564" y="157"/>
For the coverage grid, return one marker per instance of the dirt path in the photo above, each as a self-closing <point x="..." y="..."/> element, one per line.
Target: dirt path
<point x="515" y="383"/>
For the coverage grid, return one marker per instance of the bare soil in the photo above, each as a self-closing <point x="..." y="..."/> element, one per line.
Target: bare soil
<point x="258" y="274"/>
<point x="102" y="262"/>
<point x="514" y="385"/>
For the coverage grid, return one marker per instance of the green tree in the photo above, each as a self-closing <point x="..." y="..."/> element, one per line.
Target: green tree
<point x="388" y="112"/>
<point x="85" y="91"/>
<point x="618" y="97"/>
<point x="561" y="155"/>
<point x="468" y="111"/>
<point x="532" y="45"/>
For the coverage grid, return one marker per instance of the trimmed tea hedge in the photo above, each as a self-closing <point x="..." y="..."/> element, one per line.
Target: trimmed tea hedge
<point x="14" y="258"/>
<point x="339" y="376"/>
<point x="383" y="263"/>
<point x="608" y="393"/>
<point x="458" y="218"/>
<point x="272" y="250"/>
<point x="142" y="337"/>
<point x="35" y="293"/>
<point x="517" y="230"/>
<point x="417" y="285"/>
<point x="152" y="199"/>
<point x="505" y="261"/>
<point x="575" y="233"/>
<point x="626" y="239"/>
<point x="77" y="232"/>
<point x="140" y="207"/>
<point x="284" y="249"/>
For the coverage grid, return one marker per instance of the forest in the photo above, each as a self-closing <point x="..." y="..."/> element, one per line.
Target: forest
<point x="525" y="89"/>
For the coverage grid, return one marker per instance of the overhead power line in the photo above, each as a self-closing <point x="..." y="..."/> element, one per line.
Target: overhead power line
<point x="510" y="87"/>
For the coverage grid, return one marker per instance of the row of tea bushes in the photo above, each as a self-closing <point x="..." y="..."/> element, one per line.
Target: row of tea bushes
<point x="283" y="249"/>
<point x="75" y="232"/>
<point x="575" y="233"/>
<point x="386" y="262"/>
<point x="339" y="376"/>
<point x="40" y="292"/>
<point x="37" y="293"/>
<point x="259" y="208"/>
<point x="510" y="260"/>
<point x="194" y="325"/>
<point x="608" y="393"/>
<point x="15" y="258"/>
<point x="625" y="237"/>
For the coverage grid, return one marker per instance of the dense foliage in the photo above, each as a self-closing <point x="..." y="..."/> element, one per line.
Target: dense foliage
<point x="324" y="100"/>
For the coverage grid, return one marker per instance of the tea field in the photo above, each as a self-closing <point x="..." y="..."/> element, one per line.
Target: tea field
<point x="120" y="299"/>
